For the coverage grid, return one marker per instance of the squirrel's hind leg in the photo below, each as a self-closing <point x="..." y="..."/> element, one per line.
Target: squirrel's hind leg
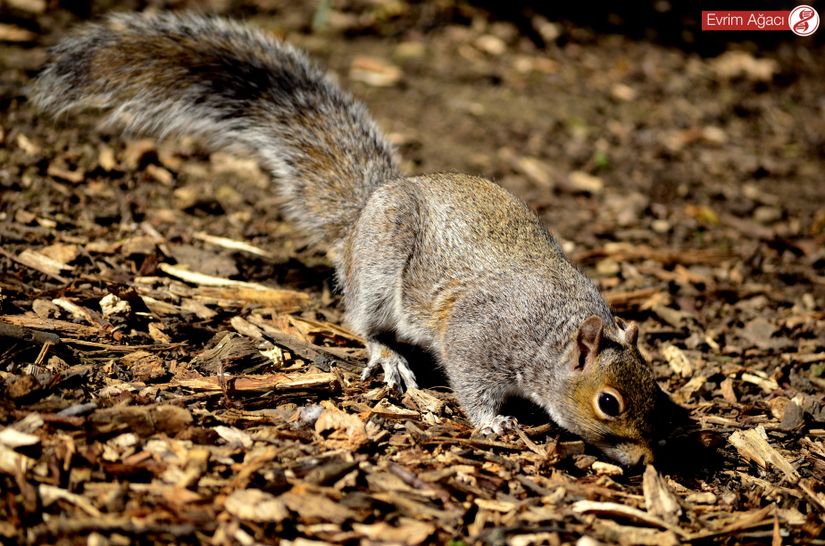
<point x="375" y="256"/>
<point x="397" y="371"/>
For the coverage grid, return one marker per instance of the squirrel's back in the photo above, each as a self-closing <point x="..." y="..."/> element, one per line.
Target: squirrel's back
<point x="238" y="88"/>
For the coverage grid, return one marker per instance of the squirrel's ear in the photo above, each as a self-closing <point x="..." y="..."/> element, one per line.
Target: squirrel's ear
<point x="589" y="338"/>
<point x="631" y="333"/>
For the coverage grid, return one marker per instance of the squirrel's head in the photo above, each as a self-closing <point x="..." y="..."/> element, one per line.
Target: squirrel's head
<point x="612" y="394"/>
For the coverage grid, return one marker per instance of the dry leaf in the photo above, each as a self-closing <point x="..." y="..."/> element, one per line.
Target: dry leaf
<point x="340" y="429"/>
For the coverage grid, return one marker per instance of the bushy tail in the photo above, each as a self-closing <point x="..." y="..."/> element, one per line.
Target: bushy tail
<point x="238" y="88"/>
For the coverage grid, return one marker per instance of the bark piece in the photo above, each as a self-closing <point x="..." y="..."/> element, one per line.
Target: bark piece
<point x="659" y="499"/>
<point x="142" y="420"/>
<point x="753" y="446"/>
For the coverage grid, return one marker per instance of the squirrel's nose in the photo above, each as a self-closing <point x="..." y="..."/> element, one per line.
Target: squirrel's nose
<point x="644" y="457"/>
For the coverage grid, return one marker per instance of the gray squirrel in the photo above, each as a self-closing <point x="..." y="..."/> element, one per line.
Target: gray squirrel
<point x="451" y="263"/>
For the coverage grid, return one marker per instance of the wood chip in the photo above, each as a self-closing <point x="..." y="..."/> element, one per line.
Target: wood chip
<point x="262" y="383"/>
<point x="231" y="244"/>
<point x="767" y="384"/>
<point x="75" y="177"/>
<point x="32" y="6"/>
<point x="690" y="388"/>
<point x="142" y="420"/>
<point x="626" y="512"/>
<point x="43" y="263"/>
<point x="496" y="505"/>
<point x="220" y="290"/>
<point x="256" y="505"/>
<point x="407" y="531"/>
<point x="374" y="71"/>
<point x="312" y="508"/>
<point x="702" y="498"/>
<point x="753" y="446"/>
<point x="386" y="409"/>
<point x="61" y="326"/>
<point x="579" y="181"/>
<point x="606" y="469"/>
<point x="677" y="360"/>
<point x="422" y="401"/>
<point x="13" y="438"/>
<point x="50" y="494"/>
<point x="659" y="499"/>
<point x="626" y="535"/>
<point x="13" y="463"/>
<point x="12" y="33"/>
<point x="234" y="437"/>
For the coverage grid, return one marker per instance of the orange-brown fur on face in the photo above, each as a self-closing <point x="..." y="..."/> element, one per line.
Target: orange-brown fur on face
<point x="620" y="368"/>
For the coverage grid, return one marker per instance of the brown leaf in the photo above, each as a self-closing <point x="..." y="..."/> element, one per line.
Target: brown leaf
<point x="340" y="429"/>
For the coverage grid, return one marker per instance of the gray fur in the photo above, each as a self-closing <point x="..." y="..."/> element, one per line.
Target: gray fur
<point x="238" y="88"/>
<point x="449" y="262"/>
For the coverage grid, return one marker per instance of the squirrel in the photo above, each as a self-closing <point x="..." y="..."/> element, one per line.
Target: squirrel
<point x="451" y="263"/>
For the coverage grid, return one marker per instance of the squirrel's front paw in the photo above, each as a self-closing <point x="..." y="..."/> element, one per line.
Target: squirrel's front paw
<point x="397" y="372"/>
<point x="499" y="425"/>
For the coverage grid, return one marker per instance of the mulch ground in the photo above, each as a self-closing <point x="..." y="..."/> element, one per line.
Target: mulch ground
<point x="174" y="366"/>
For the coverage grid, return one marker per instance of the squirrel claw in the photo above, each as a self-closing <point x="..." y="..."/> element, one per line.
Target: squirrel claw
<point x="500" y="424"/>
<point x="370" y="369"/>
<point x="397" y="373"/>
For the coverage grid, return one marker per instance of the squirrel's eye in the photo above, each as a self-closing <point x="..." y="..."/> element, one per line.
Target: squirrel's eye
<point x="609" y="403"/>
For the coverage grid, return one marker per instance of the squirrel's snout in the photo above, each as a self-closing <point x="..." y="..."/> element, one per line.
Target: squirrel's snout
<point x="646" y="457"/>
<point x="631" y="455"/>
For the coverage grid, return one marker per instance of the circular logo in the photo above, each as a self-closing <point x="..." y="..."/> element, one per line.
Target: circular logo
<point x="803" y="20"/>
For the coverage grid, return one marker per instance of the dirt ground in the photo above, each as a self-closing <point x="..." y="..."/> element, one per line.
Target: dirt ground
<point x="143" y="404"/>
